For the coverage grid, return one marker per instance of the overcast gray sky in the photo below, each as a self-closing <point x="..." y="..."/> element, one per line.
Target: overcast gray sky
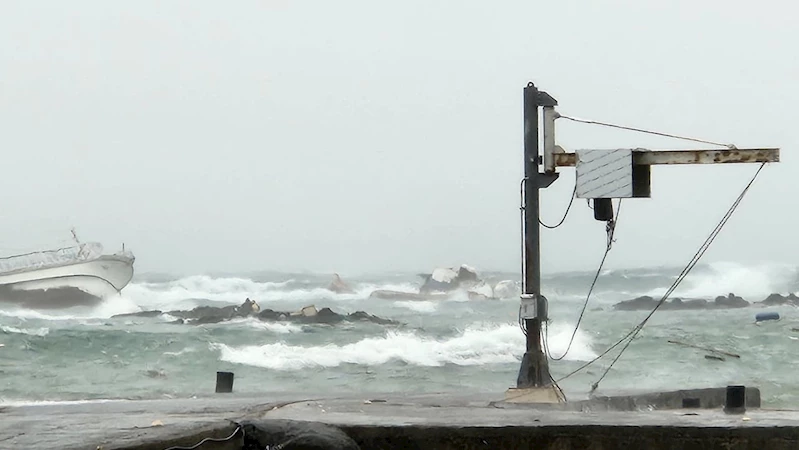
<point x="364" y="136"/>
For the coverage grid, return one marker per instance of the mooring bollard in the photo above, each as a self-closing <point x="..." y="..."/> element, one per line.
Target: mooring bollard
<point x="736" y="400"/>
<point x="224" y="382"/>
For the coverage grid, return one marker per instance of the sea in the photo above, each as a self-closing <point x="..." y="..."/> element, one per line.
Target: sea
<point x="450" y="346"/>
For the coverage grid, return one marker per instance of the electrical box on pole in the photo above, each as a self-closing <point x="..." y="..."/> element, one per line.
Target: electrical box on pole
<point x="601" y="175"/>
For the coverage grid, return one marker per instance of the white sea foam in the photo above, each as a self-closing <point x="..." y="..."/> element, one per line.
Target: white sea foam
<point x="477" y="345"/>
<point x="752" y="282"/>
<point x="29" y="331"/>
<point x="111" y="306"/>
<point x="181" y="352"/>
<point x="190" y="292"/>
<point x="274" y="327"/>
<point x="184" y="293"/>
<point x="418" y="306"/>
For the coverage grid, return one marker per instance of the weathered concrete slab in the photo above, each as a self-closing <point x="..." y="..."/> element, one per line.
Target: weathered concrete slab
<point x="458" y="414"/>
<point x="126" y="424"/>
<point x="391" y="421"/>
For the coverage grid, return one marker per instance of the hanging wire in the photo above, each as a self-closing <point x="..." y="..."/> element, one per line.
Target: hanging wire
<point x="641" y="130"/>
<point x="565" y="214"/>
<point x="610" y="229"/>
<point x="683" y="274"/>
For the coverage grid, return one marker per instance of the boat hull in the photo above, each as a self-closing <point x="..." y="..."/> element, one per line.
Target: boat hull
<point x="82" y="283"/>
<point x="114" y="270"/>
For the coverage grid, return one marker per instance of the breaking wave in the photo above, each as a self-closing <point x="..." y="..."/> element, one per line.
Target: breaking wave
<point x="475" y="346"/>
<point x="190" y="292"/>
<point x="754" y="282"/>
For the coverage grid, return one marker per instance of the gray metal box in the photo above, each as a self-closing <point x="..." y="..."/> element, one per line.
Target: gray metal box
<point x="605" y="173"/>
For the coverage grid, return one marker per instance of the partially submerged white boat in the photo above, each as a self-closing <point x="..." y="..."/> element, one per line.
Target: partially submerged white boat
<point x="69" y="264"/>
<point x="62" y="272"/>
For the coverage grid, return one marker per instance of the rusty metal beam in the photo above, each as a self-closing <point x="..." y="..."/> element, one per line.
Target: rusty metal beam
<point x="645" y="157"/>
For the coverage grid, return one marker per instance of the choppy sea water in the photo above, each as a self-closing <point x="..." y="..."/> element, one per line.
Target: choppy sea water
<point x="442" y="346"/>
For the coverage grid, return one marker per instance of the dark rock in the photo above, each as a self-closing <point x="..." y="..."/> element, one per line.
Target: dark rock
<point x="247" y="308"/>
<point x="294" y="435"/>
<point x="731" y="301"/>
<point x="647" y="303"/>
<point x="777" y="299"/>
<point x="644" y="302"/>
<point x="448" y="280"/>
<point x="216" y="314"/>
<point x="362" y="316"/>
<point x="326" y="315"/>
<point x="309" y="314"/>
<point x="205" y="314"/>
<point x="268" y="314"/>
<point x="154" y="313"/>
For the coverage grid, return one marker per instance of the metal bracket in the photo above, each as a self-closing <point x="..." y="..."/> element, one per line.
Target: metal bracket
<point x="546" y="179"/>
<point x="550" y="148"/>
<point x="642" y="156"/>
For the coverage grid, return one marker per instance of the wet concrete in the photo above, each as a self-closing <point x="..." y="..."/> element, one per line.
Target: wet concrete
<point x="392" y="421"/>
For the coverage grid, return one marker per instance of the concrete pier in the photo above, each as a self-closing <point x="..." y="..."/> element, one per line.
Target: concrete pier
<point x="394" y="422"/>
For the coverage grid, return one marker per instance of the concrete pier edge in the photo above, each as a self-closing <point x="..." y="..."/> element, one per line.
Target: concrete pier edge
<point x="431" y="421"/>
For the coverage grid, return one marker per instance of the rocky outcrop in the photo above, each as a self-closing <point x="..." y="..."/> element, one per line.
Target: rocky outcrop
<point x="647" y="303"/>
<point x="215" y="314"/>
<point x="448" y="280"/>
<point x="443" y="283"/>
<point x="731" y="301"/>
<point x="308" y="315"/>
<point x="777" y="299"/>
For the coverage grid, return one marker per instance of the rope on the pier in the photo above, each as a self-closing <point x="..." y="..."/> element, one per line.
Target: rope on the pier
<point x="193" y="447"/>
<point x="629" y="337"/>
<point x="641" y="130"/>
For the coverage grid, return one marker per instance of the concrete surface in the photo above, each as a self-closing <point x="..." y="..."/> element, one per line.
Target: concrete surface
<point x="428" y="421"/>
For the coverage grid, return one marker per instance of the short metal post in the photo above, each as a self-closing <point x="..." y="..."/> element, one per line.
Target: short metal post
<point x="224" y="382"/>
<point x="736" y="400"/>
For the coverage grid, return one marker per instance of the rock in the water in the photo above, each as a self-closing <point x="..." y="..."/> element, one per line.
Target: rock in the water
<point x="248" y="307"/>
<point x="153" y="313"/>
<point x="308" y="314"/>
<point x="447" y="280"/>
<point x="365" y="317"/>
<point x="339" y="286"/>
<point x="643" y="302"/>
<point x="290" y="434"/>
<point x="731" y="301"/>
<point x="646" y="302"/>
<point x="777" y="299"/>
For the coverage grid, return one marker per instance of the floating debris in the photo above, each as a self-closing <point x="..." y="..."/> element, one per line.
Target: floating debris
<point x="707" y="349"/>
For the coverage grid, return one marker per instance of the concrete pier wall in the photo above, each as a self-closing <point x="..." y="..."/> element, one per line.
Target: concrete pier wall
<point x="578" y="437"/>
<point x="430" y="422"/>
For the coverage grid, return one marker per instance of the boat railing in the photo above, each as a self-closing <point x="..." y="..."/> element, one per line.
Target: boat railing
<point x="49" y="258"/>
